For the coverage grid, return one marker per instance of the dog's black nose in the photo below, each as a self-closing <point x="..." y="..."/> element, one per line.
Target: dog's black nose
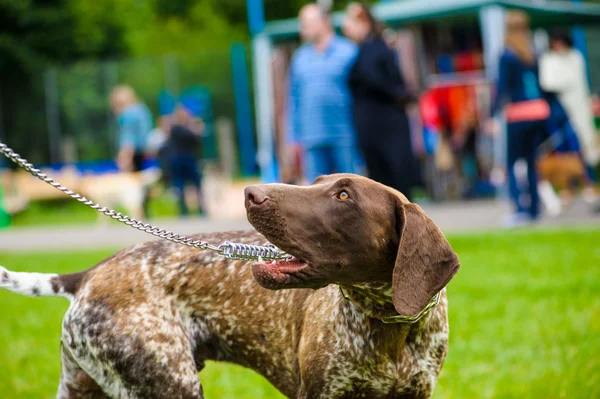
<point x="255" y="196"/>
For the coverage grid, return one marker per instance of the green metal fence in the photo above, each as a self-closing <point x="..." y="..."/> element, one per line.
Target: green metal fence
<point x="71" y="119"/>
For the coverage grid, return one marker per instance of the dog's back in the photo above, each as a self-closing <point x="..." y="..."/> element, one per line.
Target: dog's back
<point x="120" y="189"/>
<point x="563" y="170"/>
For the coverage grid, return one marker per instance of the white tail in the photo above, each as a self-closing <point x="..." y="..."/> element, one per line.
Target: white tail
<point x="32" y="284"/>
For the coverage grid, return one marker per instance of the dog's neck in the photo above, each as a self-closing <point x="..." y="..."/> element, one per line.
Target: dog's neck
<point x="374" y="299"/>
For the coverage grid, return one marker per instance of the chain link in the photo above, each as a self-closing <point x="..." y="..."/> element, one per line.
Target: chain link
<point x="227" y="249"/>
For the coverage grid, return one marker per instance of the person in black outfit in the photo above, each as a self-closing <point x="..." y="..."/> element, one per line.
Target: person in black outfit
<point x="183" y="144"/>
<point x="379" y="98"/>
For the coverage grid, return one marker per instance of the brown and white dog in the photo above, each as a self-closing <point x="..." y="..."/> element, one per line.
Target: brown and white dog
<point x="142" y="322"/>
<point x="564" y="171"/>
<point x="120" y="189"/>
<point x="124" y="189"/>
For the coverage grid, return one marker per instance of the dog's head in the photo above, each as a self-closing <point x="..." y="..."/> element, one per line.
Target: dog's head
<point x="348" y="229"/>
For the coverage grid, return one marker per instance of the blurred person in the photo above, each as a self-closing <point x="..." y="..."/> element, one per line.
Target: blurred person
<point x="380" y="96"/>
<point x="157" y="146"/>
<point x="319" y="119"/>
<point x="158" y="136"/>
<point x="184" y="142"/>
<point x="134" y="123"/>
<point x="527" y="113"/>
<point x="563" y="71"/>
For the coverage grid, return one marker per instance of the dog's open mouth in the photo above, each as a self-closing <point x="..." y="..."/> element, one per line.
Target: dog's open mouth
<point x="279" y="273"/>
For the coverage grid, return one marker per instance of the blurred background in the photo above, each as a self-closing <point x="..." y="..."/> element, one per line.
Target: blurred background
<point x="228" y="63"/>
<point x="166" y="109"/>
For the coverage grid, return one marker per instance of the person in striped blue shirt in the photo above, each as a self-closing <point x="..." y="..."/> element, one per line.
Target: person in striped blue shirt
<point x="319" y="115"/>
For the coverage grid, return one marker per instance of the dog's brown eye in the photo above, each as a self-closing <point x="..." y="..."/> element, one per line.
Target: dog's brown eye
<point x="343" y="196"/>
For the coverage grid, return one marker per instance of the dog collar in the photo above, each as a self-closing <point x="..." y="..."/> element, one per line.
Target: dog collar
<point x="433" y="302"/>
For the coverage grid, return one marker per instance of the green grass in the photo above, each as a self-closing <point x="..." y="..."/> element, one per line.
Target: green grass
<point x="524" y="314"/>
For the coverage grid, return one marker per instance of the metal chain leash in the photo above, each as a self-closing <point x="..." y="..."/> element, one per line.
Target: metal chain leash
<point x="227" y="249"/>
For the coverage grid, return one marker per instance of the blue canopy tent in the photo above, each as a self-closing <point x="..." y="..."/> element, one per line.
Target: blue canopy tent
<point x="487" y="14"/>
<point x="395" y="13"/>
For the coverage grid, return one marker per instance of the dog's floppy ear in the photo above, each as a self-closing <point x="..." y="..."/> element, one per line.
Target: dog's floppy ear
<point x="425" y="262"/>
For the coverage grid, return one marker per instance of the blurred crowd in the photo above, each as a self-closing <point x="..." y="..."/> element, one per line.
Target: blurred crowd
<point x="175" y="141"/>
<point x="347" y="103"/>
<point x="347" y="112"/>
<point x="545" y="101"/>
<point x="346" y="106"/>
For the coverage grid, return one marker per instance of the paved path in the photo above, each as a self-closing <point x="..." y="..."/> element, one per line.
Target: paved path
<point x="452" y="218"/>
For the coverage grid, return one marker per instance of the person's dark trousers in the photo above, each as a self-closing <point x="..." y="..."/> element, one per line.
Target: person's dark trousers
<point x="389" y="167"/>
<point x="184" y="171"/>
<point x="523" y="139"/>
<point x="591" y="172"/>
<point x="138" y="165"/>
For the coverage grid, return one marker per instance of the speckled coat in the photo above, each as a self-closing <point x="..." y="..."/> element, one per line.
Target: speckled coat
<point x="143" y="322"/>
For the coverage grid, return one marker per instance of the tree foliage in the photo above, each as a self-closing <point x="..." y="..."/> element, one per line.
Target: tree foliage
<point x="36" y="35"/>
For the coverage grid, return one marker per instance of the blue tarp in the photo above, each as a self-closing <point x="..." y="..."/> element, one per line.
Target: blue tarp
<point x="95" y="167"/>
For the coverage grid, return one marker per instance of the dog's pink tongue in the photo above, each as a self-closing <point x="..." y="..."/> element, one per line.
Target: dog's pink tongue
<point x="273" y="274"/>
<point x="266" y="276"/>
<point x="275" y="266"/>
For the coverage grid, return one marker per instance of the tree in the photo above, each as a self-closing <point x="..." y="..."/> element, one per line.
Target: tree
<point x="39" y="34"/>
<point x="35" y="34"/>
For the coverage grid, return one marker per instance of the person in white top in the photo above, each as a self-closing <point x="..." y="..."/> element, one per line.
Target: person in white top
<point x="563" y="71"/>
